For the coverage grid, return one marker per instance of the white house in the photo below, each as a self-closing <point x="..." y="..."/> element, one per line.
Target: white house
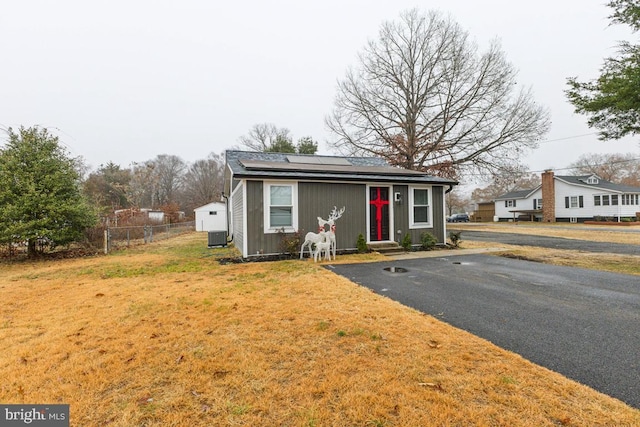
<point x="211" y="217"/>
<point x="570" y="199"/>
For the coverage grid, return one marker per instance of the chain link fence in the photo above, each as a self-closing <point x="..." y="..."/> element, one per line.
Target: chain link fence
<point x="124" y="237"/>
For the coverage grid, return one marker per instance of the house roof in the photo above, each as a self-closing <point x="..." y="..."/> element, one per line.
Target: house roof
<point x="517" y="194"/>
<point x="208" y="206"/>
<point x="601" y="184"/>
<point x="251" y="164"/>
<point x="581" y="180"/>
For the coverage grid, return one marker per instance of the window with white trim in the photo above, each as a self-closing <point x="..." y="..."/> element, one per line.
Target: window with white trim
<point x="280" y="207"/>
<point x="420" y="207"/>
<point x="596" y="200"/>
<point x="574" y="202"/>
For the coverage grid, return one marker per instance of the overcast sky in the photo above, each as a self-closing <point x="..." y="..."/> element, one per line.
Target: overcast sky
<point x="124" y="81"/>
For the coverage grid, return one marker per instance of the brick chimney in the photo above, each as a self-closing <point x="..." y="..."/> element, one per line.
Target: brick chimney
<point x="548" y="197"/>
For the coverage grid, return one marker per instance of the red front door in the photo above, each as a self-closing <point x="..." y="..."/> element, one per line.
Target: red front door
<point x="378" y="213"/>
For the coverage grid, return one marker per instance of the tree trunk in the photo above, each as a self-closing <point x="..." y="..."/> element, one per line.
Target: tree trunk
<point x="31" y="248"/>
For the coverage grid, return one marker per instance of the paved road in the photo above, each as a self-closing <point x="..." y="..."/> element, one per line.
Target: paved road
<point x="581" y="323"/>
<point x="549" y="242"/>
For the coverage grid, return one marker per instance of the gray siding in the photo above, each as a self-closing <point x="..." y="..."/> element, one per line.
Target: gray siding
<point x="401" y="216"/>
<point x="316" y="199"/>
<point x="259" y="242"/>
<point x="238" y="224"/>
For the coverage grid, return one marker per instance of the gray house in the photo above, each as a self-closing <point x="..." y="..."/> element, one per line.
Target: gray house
<point x="269" y="193"/>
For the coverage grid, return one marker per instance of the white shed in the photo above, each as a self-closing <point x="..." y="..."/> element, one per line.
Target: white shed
<point x="211" y="217"/>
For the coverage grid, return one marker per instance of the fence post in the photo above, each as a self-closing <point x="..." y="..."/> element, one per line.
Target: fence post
<point x="106" y="241"/>
<point x="128" y="237"/>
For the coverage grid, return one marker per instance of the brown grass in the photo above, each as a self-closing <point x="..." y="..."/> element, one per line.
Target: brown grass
<point x="165" y="336"/>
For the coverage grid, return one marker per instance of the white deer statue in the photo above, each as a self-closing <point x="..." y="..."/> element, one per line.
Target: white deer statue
<point x="313" y="238"/>
<point x="322" y="247"/>
<point x="331" y="222"/>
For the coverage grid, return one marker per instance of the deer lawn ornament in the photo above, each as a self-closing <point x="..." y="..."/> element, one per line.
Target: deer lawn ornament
<point x="313" y="238"/>
<point x="323" y="246"/>
<point x="333" y="216"/>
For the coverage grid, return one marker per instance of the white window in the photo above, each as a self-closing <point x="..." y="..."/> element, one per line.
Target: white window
<point x="614" y="200"/>
<point x="213" y="212"/>
<point x="592" y="180"/>
<point x="510" y="204"/>
<point x="596" y="200"/>
<point x="280" y="207"/>
<point x="605" y="200"/>
<point x="574" y="202"/>
<point x="420" y="207"/>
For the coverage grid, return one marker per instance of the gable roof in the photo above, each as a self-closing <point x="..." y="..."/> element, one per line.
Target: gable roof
<point x="517" y="194"/>
<point x="251" y="164"/>
<point x="602" y="183"/>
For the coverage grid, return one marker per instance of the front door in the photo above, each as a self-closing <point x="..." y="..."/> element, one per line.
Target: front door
<point x="378" y="214"/>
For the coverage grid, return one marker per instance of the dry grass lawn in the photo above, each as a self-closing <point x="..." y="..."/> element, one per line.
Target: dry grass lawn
<point x="162" y="335"/>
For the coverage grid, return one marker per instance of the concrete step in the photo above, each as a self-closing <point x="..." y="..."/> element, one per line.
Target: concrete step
<point x="386" y="248"/>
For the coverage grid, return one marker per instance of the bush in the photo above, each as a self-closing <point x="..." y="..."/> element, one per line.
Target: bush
<point x="361" y="244"/>
<point x="289" y="244"/>
<point x="456" y="238"/>
<point x="406" y="242"/>
<point x="428" y="241"/>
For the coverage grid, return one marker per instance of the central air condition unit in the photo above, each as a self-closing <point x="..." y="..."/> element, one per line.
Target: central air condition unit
<point x="217" y="238"/>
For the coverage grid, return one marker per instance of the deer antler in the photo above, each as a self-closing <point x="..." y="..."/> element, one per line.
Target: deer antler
<point x="335" y="213"/>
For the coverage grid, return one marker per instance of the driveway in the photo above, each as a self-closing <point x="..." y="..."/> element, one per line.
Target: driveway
<point x="548" y="242"/>
<point x="581" y="323"/>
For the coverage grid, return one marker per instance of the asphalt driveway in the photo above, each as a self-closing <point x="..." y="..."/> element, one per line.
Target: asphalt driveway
<point x="549" y="242"/>
<point x="581" y="323"/>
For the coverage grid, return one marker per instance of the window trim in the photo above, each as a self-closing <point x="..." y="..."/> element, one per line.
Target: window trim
<point x="266" y="206"/>
<point x="417" y="225"/>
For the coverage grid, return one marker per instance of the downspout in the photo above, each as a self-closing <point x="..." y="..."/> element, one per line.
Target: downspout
<point x="227" y="215"/>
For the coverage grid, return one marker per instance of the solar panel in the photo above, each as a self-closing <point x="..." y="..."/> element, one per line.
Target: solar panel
<point x="318" y="160"/>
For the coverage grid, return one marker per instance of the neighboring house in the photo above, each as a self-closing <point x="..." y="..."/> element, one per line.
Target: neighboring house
<point x="570" y="199"/>
<point x="211" y="217"/>
<point x="485" y="212"/>
<point x="274" y="192"/>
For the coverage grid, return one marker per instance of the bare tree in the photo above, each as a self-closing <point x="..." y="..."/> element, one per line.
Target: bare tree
<point x="203" y="182"/>
<point x="262" y="136"/>
<point x="458" y="202"/>
<point x="423" y="98"/>
<point x="505" y="183"/>
<point x="156" y="182"/>
<point x="169" y="171"/>
<point x="618" y="168"/>
<point x="143" y="184"/>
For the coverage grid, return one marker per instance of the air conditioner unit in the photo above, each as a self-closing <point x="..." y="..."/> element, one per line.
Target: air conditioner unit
<point x="217" y="238"/>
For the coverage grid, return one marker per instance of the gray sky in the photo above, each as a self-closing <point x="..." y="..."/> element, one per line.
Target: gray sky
<point x="128" y="80"/>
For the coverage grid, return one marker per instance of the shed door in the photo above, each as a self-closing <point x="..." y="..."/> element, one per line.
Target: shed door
<point x="378" y="214"/>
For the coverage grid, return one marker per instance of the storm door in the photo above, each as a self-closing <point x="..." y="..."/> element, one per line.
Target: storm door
<point x="378" y="214"/>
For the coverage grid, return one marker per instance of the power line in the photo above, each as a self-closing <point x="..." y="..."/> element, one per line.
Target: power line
<point x="568" y="137"/>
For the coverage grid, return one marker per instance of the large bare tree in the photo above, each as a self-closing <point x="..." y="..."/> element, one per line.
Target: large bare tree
<point x="263" y="136"/>
<point x="618" y="168"/>
<point x="202" y="183"/>
<point x="423" y="98"/>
